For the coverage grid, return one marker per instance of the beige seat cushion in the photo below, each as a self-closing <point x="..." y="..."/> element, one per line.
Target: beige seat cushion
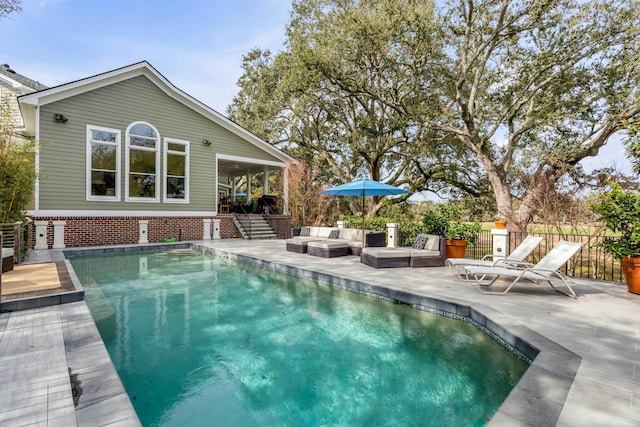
<point x="387" y="252"/>
<point x="323" y="232"/>
<point x="300" y="239"/>
<point x="423" y="252"/>
<point x="349" y="234"/>
<point x="329" y="244"/>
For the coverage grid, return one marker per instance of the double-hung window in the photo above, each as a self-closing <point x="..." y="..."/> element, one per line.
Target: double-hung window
<point x="142" y="161"/>
<point x="103" y="164"/>
<point x="176" y="171"/>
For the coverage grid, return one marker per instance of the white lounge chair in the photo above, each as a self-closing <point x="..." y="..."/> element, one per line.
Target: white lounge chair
<point x="515" y="258"/>
<point x="545" y="270"/>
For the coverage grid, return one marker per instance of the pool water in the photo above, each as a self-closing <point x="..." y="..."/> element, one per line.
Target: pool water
<point x="203" y="341"/>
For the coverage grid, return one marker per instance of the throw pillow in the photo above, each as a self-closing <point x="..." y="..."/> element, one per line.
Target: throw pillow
<point x="433" y="243"/>
<point x="421" y="240"/>
<point x="305" y="231"/>
<point x="334" y="234"/>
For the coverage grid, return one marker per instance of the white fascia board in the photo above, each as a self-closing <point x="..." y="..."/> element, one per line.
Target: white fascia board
<point x="118" y="213"/>
<point x="11" y="83"/>
<point x="78" y="87"/>
<point x="249" y="160"/>
<point x="58" y="93"/>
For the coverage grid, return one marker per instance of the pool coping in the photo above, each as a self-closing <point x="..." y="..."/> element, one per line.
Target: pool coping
<point x="536" y="400"/>
<point x="47" y="297"/>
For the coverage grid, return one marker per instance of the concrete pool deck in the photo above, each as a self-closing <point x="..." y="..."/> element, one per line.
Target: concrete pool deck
<point x="587" y="373"/>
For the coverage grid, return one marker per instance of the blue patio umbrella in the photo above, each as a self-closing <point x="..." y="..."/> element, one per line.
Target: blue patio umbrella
<point x="241" y="194"/>
<point x="363" y="188"/>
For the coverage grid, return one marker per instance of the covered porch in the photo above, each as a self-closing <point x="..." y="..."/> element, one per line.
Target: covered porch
<point x="239" y="181"/>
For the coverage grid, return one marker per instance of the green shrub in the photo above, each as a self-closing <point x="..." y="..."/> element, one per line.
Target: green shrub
<point x="17" y="169"/>
<point x="620" y="210"/>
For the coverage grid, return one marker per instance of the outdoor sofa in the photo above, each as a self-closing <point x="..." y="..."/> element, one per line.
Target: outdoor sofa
<point x="427" y="251"/>
<point x="333" y="241"/>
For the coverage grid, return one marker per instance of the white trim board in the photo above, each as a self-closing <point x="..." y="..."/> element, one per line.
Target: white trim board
<point x="119" y="213"/>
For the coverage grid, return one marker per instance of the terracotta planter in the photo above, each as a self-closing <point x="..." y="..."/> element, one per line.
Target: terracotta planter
<point x="631" y="271"/>
<point x="456" y="248"/>
<point x="500" y="224"/>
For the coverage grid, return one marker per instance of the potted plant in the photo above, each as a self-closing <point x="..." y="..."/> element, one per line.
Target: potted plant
<point x="447" y="222"/>
<point x="458" y="236"/>
<point x="500" y="223"/>
<point x="620" y="211"/>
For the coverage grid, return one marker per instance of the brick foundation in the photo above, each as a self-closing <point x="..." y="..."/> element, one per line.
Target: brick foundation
<point x="99" y="231"/>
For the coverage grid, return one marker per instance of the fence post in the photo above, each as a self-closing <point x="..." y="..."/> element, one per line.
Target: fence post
<point x="500" y="243"/>
<point x="216" y="229"/>
<point x="58" y="234"/>
<point x="17" y="242"/>
<point x="206" y="229"/>
<point x="41" y="235"/>
<point x="392" y="235"/>
<point x="143" y="231"/>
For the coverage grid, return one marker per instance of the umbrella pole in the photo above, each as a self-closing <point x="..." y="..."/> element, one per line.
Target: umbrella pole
<point x="363" y="219"/>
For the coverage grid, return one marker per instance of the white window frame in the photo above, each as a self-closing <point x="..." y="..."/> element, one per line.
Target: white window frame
<point x="88" y="163"/>
<point x="186" y="154"/>
<point x="128" y="148"/>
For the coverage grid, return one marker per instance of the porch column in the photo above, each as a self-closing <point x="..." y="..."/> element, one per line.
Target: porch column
<point x="265" y="181"/>
<point x="248" y="187"/>
<point x="285" y="192"/>
<point x="233" y="188"/>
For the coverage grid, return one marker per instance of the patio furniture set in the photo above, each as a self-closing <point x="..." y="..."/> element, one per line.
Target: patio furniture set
<point x="328" y="242"/>
<point x="331" y="242"/>
<point x="429" y="251"/>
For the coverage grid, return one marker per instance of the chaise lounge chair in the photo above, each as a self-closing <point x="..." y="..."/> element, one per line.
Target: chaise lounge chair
<point x="515" y="258"/>
<point x="545" y="270"/>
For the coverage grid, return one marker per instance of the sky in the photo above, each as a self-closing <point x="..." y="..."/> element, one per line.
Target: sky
<point x="197" y="45"/>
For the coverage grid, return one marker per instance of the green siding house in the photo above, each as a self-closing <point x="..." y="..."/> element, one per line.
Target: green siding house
<point x="126" y="157"/>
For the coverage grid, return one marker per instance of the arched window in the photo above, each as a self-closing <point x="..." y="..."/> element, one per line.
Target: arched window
<point x="142" y="161"/>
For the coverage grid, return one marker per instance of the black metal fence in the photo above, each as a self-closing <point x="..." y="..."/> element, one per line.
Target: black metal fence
<point x="591" y="262"/>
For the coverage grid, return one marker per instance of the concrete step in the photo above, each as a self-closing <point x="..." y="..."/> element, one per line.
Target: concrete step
<point x="254" y="227"/>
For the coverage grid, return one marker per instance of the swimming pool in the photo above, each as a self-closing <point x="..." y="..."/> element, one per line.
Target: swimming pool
<point x="200" y="340"/>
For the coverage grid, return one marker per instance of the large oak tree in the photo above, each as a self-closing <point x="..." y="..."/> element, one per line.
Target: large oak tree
<point x="350" y="93"/>
<point x="515" y="93"/>
<point x="533" y="87"/>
